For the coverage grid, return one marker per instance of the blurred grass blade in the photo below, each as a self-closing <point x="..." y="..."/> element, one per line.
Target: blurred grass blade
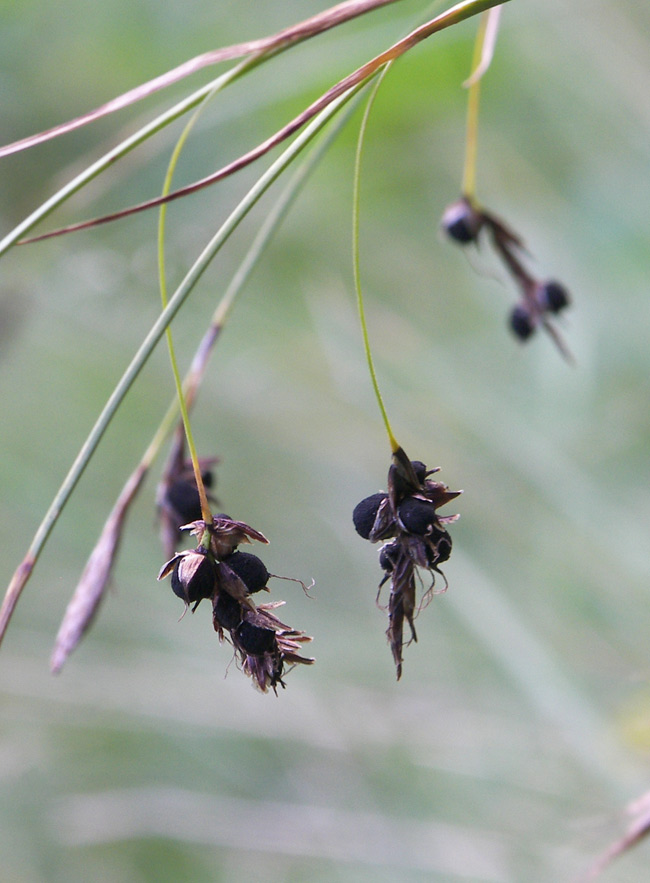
<point x="106" y="161"/>
<point x="451" y="17"/>
<point x="637" y="831"/>
<point x="317" y="24"/>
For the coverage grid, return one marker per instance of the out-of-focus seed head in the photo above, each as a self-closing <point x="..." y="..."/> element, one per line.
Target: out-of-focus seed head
<point x="462" y="222"/>
<point x="521" y="322"/>
<point x="365" y="514"/>
<point x="552" y="296"/>
<point x="249" y="568"/>
<point x="183" y="498"/>
<point x="178" y="499"/>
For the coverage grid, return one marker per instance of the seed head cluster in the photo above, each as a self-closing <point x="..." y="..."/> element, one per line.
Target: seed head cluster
<point x="406" y="517"/>
<point x="539" y="300"/>
<point x="216" y="570"/>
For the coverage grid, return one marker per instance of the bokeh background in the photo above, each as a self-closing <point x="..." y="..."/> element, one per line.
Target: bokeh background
<point x="521" y="727"/>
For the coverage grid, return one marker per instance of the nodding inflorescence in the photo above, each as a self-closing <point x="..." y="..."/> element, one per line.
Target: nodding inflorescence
<point x="464" y="222"/>
<point x="417" y="539"/>
<point x="217" y="571"/>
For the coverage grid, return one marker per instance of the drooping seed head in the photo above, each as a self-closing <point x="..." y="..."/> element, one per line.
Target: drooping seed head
<point x="183" y="497"/>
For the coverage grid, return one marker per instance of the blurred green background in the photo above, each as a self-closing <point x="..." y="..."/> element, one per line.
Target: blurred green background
<point x="521" y="726"/>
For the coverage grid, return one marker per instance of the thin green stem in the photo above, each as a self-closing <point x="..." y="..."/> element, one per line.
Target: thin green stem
<point x="270" y="225"/>
<point x="473" y="100"/>
<point x="162" y="277"/>
<point x="356" y="262"/>
<point x="25" y="568"/>
<point x="220" y="316"/>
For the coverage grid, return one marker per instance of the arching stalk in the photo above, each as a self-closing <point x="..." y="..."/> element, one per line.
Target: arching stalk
<point x="356" y="262"/>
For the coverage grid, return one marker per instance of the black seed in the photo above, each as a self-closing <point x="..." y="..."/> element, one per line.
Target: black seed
<point x="461" y="222"/>
<point x="417" y="516"/>
<point x="365" y="513"/>
<point x="521" y="323"/>
<point x="226" y="611"/>
<point x="255" y="640"/>
<point x="552" y="296"/>
<point x="250" y="570"/>
<point x="193" y="577"/>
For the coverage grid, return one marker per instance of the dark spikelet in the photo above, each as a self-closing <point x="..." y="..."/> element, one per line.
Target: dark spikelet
<point x="403" y="478"/>
<point x="229" y="583"/>
<point x="266" y="645"/>
<point x="418" y="540"/>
